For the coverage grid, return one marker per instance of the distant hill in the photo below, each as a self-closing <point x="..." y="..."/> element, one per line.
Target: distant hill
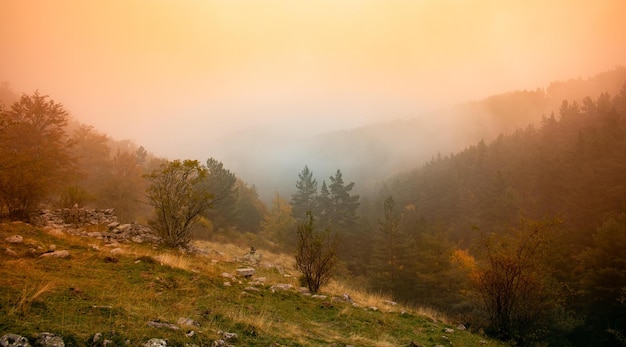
<point x="270" y="156"/>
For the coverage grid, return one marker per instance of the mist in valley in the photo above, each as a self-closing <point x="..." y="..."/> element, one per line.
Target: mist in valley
<point x="446" y="144"/>
<point x="270" y="87"/>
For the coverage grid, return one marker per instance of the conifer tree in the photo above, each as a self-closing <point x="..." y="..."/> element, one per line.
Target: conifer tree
<point x="343" y="206"/>
<point x="305" y="197"/>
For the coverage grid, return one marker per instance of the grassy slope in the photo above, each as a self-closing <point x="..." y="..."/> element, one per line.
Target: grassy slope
<point x="94" y="291"/>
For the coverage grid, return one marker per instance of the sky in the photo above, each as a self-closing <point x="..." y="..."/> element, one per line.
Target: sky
<point x="175" y="76"/>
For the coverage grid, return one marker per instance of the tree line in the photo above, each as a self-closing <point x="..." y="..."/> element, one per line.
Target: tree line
<point x="523" y="237"/>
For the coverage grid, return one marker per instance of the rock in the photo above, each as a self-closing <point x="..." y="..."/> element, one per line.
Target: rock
<point x="229" y="336"/>
<point x="226" y="275"/>
<point x="137" y="239"/>
<point x="49" y="340"/>
<point x="251" y="289"/>
<point x="280" y="286"/>
<point x="13" y="340"/>
<point x="56" y="254"/>
<point x="448" y="330"/>
<point x="162" y="325"/>
<point x="155" y="343"/>
<point x="96" y="337"/>
<point x="14" y="239"/>
<point x="116" y="251"/>
<point x="461" y="327"/>
<point x="186" y="322"/>
<point x="246" y="272"/>
<point x="373" y="308"/>
<point x="228" y="284"/>
<point x="11" y="252"/>
<point x="390" y="303"/>
<point x="317" y="296"/>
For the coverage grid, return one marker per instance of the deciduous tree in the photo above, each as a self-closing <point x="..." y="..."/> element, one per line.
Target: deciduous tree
<point x="316" y="254"/>
<point x="179" y="197"/>
<point x="35" y="161"/>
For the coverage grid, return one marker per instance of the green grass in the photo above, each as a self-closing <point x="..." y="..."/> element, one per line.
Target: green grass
<point x="94" y="291"/>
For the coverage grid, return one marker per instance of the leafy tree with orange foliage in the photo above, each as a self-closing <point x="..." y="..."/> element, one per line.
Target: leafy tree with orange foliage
<point x="35" y="160"/>
<point x="521" y="298"/>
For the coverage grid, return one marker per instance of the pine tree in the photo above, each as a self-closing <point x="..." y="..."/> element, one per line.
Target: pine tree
<point x="388" y="243"/>
<point x="322" y="206"/>
<point x="305" y="198"/>
<point x="343" y="206"/>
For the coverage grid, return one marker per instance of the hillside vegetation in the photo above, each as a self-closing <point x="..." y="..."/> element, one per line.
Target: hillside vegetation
<point x="130" y="293"/>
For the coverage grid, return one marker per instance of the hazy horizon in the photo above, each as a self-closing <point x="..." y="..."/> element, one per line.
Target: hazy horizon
<point x="176" y="76"/>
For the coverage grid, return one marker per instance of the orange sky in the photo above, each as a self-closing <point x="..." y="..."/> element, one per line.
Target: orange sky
<point x="170" y="74"/>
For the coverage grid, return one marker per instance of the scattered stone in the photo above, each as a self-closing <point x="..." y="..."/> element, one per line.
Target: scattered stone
<point x="229" y="336"/>
<point x="373" y="308"/>
<point x="161" y="325"/>
<point x="448" y="330"/>
<point x="461" y="327"/>
<point x="14" y="239"/>
<point x="186" y="322"/>
<point x="96" y="337"/>
<point x="49" y="340"/>
<point x="280" y="286"/>
<point x="316" y="296"/>
<point x="390" y="303"/>
<point x="155" y="343"/>
<point x="56" y="254"/>
<point x="226" y="275"/>
<point x="137" y="239"/>
<point x="13" y="340"/>
<point x="11" y="252"/>
<point x="251" y="289"/>
<point x="246" y="272"/>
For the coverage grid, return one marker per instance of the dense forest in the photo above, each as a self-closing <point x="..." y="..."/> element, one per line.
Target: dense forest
<point x="522" y="236"/>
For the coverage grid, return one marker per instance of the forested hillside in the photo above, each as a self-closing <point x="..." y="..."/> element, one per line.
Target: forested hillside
<point x="374" y="152"/>
<point x="559" y="187"/>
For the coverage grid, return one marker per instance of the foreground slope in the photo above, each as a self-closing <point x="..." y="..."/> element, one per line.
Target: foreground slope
<point x="130" y="293"/>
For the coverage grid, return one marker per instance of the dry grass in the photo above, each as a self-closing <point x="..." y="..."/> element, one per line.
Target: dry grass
<point x="29" y="294"/>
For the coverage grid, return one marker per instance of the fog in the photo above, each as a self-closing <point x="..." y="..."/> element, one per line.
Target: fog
<point x="199" y="79"/>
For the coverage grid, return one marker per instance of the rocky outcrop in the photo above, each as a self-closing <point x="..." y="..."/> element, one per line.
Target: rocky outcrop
<point x="75" y="220"/>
